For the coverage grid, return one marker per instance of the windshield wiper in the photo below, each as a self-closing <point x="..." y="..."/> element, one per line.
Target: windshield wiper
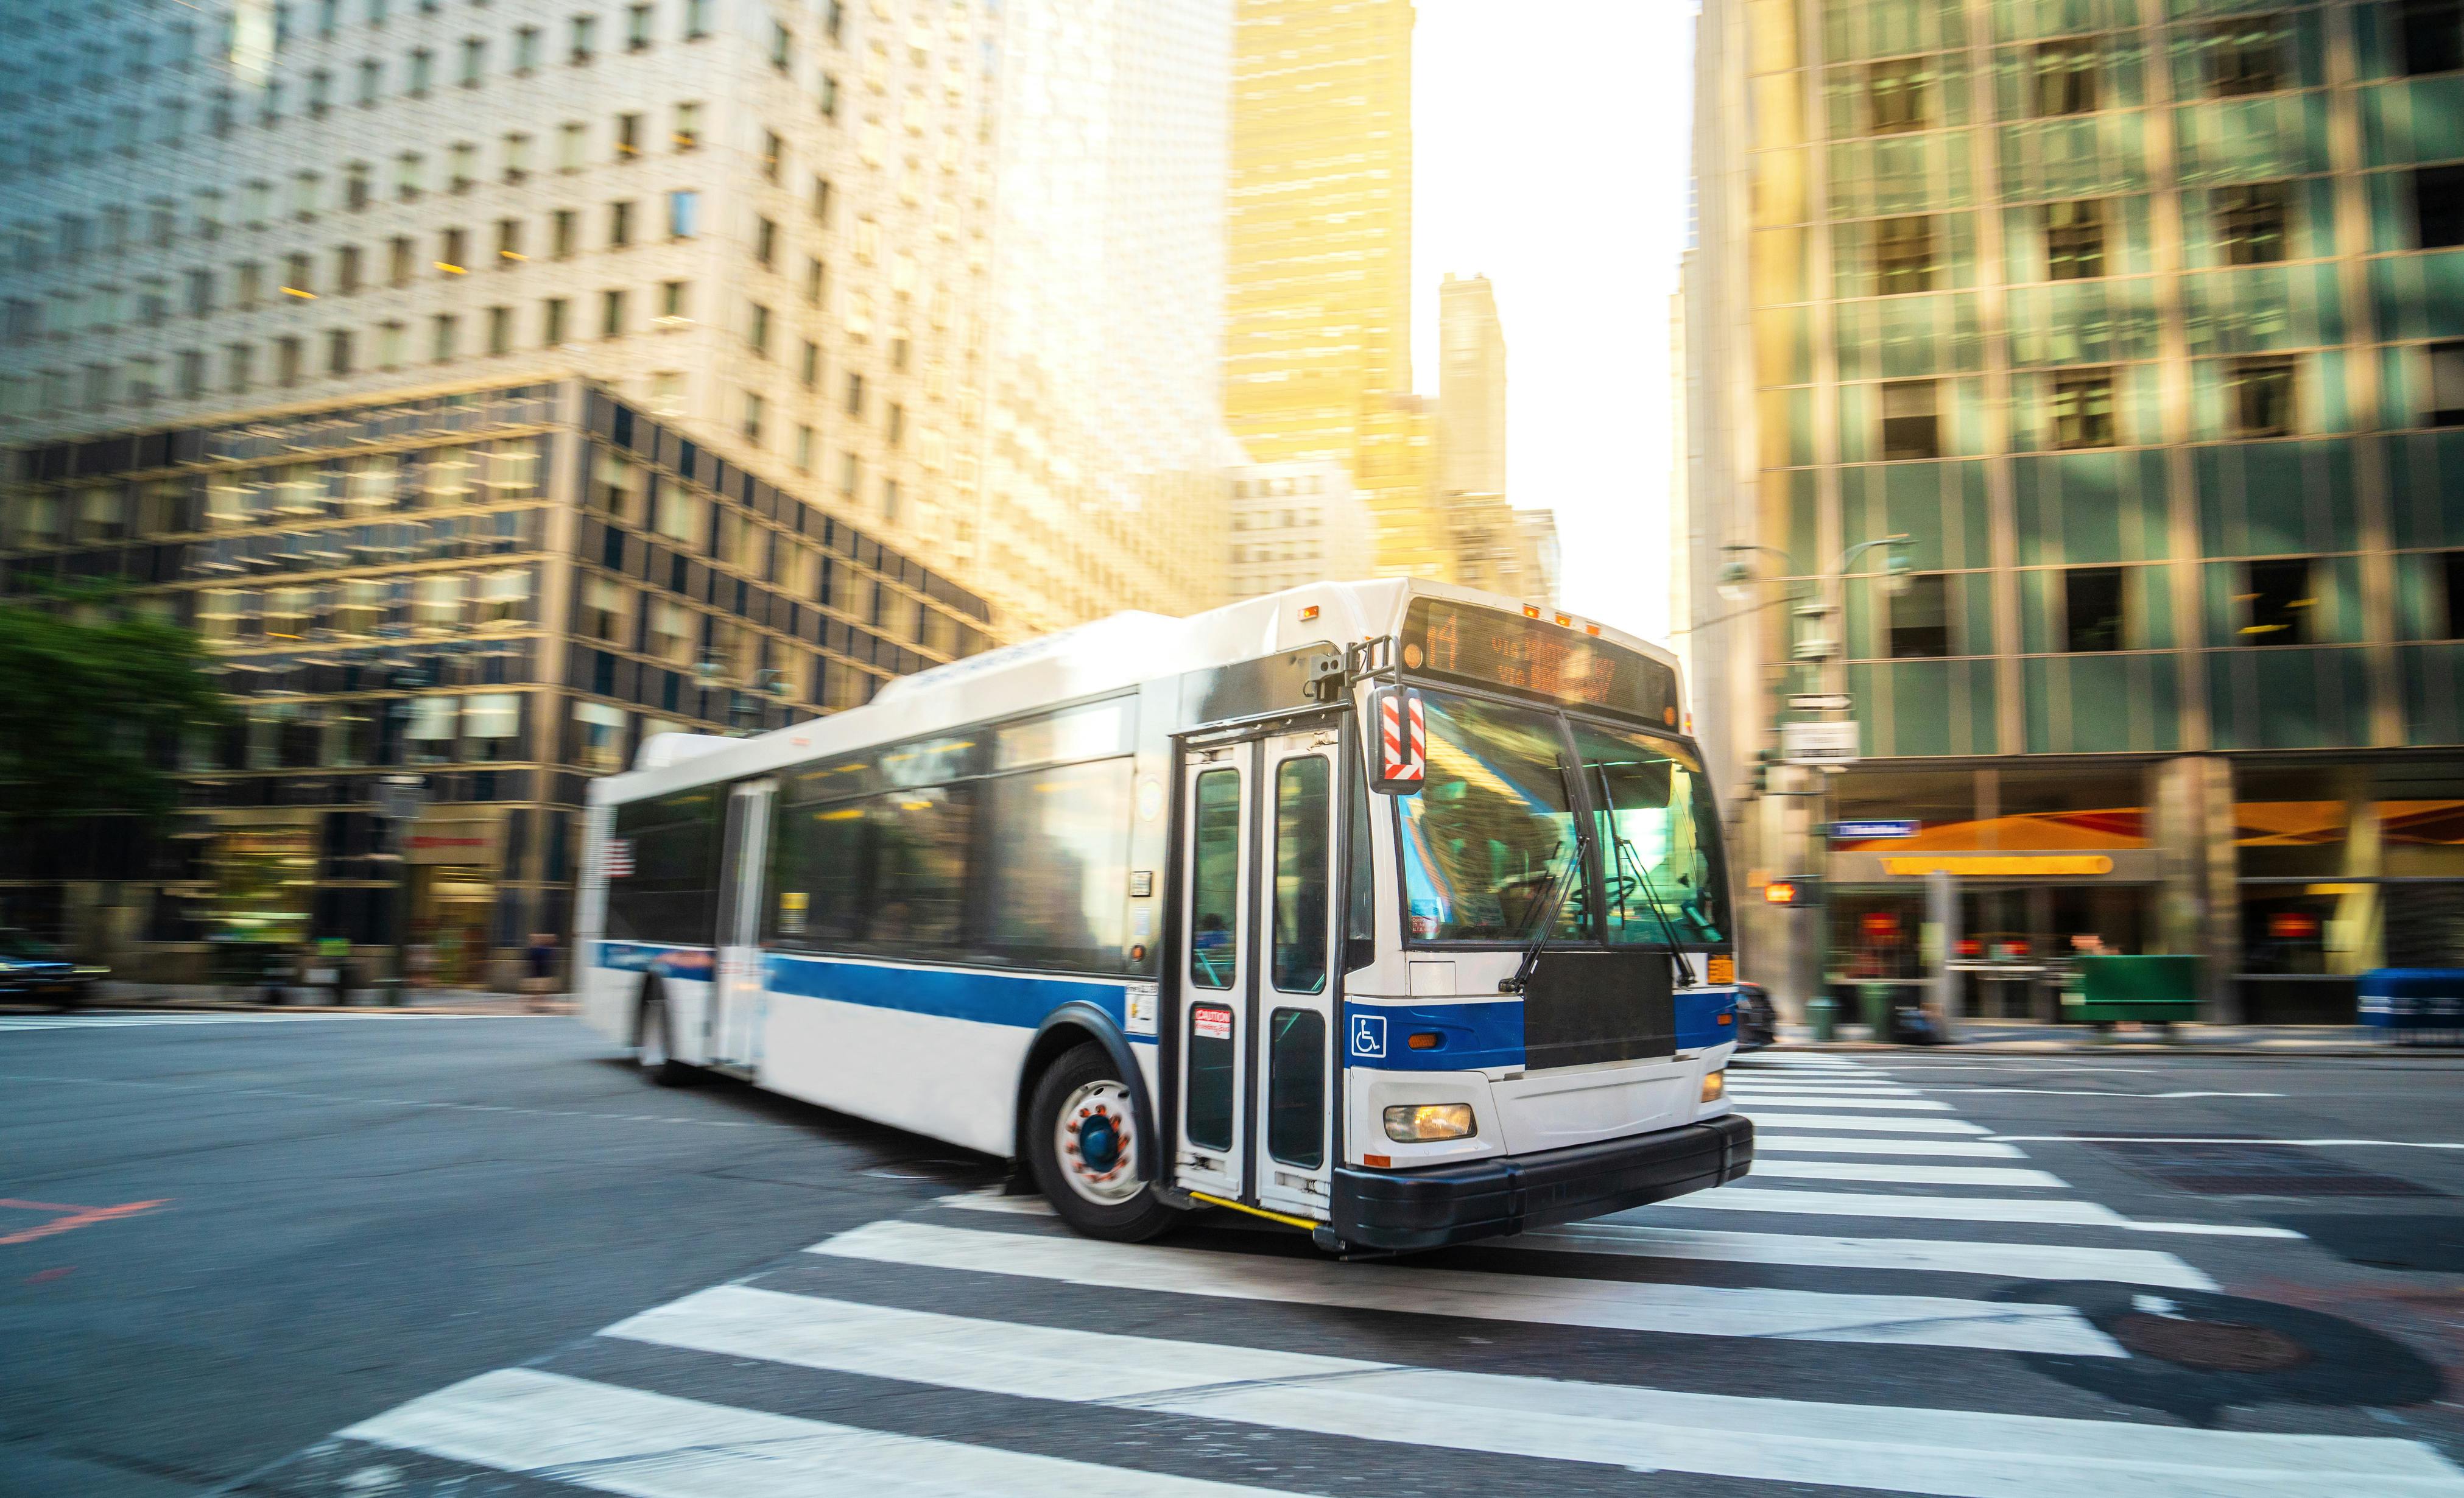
<point x="1553" y="899"/>
<point x="1628" y="857"/>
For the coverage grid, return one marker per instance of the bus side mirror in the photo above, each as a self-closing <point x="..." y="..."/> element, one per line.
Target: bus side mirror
<point x="1400" y="754"/>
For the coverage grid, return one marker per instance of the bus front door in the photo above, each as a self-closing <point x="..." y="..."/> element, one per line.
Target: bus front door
<point x="1257" y="971"/>
<point x="733" y="1033"/>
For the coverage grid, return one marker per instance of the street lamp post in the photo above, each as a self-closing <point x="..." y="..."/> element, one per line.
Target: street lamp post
<point x="1825" y="653"/>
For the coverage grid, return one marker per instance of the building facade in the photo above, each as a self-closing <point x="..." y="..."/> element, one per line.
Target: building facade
<point x="482" y="597"/>
<point x="1294" y="524"/>
<point x="2144" y="324"/>
<point x="1317" y="344"/>
<point x="1471" y="387"/>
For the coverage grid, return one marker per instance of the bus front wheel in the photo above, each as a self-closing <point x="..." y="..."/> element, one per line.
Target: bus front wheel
<point x="1082" y="1148"/>
<point x="653" y="1047"/>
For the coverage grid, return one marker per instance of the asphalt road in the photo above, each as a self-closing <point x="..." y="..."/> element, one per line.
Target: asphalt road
<point x="224" y="1242"/>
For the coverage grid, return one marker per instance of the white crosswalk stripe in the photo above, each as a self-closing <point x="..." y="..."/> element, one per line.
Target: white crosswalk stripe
<point x="117" y="1022"/>
<point x="867" y="1365"/>
<point x="1744" y="1096"/>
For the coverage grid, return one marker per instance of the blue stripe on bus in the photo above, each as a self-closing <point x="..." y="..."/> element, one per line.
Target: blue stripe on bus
<point x="1697" y="1018"/>
<point x="1485" y="1032"/>
<point x="643" y="957"/>
<point x="1017" y="999"/>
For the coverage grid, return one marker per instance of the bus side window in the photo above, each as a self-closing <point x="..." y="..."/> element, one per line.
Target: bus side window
<point x="1215" y="883"/>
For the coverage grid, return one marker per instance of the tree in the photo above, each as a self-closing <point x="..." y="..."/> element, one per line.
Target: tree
<point x="95" y="699"/>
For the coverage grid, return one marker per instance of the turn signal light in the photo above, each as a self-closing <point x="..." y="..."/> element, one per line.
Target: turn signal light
<point x="1408" y="1122"/>
<point x="1779" y="891"/>
<point x="1715" y="1086"/>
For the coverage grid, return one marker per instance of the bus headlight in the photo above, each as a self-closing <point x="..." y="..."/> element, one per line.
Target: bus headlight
<point x="1411" y="1121"/>
<point x="1715" y="1086"/>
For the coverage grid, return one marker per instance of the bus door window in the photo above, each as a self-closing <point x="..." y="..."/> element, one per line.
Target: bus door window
<point x="1303" y="865"/>
<point x="1214" y="960"/>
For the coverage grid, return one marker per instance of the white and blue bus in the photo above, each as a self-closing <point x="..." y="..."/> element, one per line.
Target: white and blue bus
<point x="1164" y="910"/>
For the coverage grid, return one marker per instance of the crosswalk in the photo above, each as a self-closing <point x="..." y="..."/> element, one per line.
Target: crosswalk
<point x="973" y="1346"/>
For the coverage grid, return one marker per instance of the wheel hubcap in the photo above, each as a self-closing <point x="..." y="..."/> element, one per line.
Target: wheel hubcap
<point x="1093" y="1138"/>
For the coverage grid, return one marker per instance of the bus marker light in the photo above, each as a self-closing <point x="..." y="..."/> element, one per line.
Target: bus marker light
<point x="1566" y="621"/>
<point x="1530" y="610"/>
<point x="1715" y="1086"/>
<point x="1308" y="614"/>
<point x="1426" y="1040"/>
<point x="1591" y="629"/>
<point x="1779" y="891"/>
<point x="1377" y="1161"/>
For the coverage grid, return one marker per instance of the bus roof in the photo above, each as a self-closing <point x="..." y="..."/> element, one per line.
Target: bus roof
<point x="1110" y="654"/>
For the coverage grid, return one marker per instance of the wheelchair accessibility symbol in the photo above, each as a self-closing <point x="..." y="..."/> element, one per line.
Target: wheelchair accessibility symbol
<point x="1368" y="1035"/>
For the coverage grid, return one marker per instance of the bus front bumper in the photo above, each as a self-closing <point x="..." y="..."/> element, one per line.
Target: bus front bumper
<point x="1407" y="1210"/>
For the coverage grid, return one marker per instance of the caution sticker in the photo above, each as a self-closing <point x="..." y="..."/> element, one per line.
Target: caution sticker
<point x="1210" y="1022"/>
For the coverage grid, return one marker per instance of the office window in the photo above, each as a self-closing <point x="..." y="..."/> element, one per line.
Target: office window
<point x="453" y="251"/>
<point x="1920" y="616"/>
<point x="2092" y="609"/>
<point x="2262" y="394"/>
<point x="462" y="166"/>
<point x="320" y="93"/>
<point x="526" y="50"/>
<point x="754" y="409"/>
<point x="563" y="227"/>
<point x="826" y="95"/>
<point x="668" y="393"/>
<point x="442" y="336"/>
<point x="504" y="597"/>
<point x="2438" y="205"/>
<point x="492" y="722"/>
<point x="598" y="737"/>
<point x="2450" y="568"/>
<point x="356" y="186"/>
<point x="346" y="269"/>
<point x="773" y="151"/>
<point x="2251" y="222"/>
<point x="803" y="450"/>
<point x="2075" y="240"/>
<point x="816" y="281"/>
<point x="604" y="610"/>
<point x="850" y="471"/>
<point x="688" y="131"/>
<point x="810" y="369"/>
<point x="2065" y="78"/>
<point x="371" y="81"/>
<point x="673" y="296"/>
<point x="410" y="175"/>
<point x="620" y="224"/>
<point x="629" y="136"/>
<point x="822" y="197"/>
<point x="584" y="39"/>
<point x="637" y="27"/>
<point x="1898" y="95"/>
<point x="2246" y="56"/>
<point x="1911" y="421"/>
<point x="500" y="330"/>
<point x="1903" y="254"/>
<point x="474" y="61"/>
<point x="555" y="318"/>
<point x="423" y="70"/>
<point x="298" y="281"/>
<point x="611" y="314"/>
<point x="572" y="140"/>
<point x="2278" y="601"/>
<point x="757" y="330"/>
<point x="2434" y="37"/>
<point x="2446" y="385"/>
<point x="854" y="393"/>
<point x="392" y="345"/>
<point x="765" y="241"/>
<point x="518" y="157"/>
<point x="684" y="215"/>
<point x="889" y="503"/>
<point x="2084" y="408"/>
<point x="398" y="260"/>
<point x="509" y="243"/>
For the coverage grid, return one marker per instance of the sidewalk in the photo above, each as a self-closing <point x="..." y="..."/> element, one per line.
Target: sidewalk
<point x="2036" y="1038"/>
<point x="114" y="995"/>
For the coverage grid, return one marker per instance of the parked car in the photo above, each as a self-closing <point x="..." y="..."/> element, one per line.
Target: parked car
<point x="37" y="971"/>
<point x="1757" y="1021"/>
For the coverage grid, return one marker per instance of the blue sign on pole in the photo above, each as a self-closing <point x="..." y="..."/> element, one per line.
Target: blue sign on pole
<point x="1867" y="831"/>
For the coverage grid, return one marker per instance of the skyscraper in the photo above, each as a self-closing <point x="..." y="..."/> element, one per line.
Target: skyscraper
<point x="1318" y="355"/>
<point x="1471" y="387"/>
<point x="2144" y="326"/>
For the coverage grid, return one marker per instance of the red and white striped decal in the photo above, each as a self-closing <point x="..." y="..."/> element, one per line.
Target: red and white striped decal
<point x="619" y="858"/>
<point x="1403" y="733"/>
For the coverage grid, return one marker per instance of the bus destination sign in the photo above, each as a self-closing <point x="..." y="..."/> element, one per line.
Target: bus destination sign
<point x="1499" y="649"/>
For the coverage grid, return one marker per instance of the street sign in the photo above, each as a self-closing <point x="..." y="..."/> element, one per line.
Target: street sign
<point x="400" y="798"/>
<point x="1868" y="831"/>
<point x="1819" y="702"/>
<point x="1818" y="743"/>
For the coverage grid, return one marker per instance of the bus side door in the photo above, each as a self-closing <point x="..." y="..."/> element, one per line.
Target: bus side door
<point x="1215" y="969"/>
<point x="1298" y="783"/>
<point x="740" y="987"/>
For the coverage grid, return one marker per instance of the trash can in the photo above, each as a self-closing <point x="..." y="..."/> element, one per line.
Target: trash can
<point x="2160" y="989"/>
<point x="1874" y="1000"/>
<point x="1823" y="1016"/>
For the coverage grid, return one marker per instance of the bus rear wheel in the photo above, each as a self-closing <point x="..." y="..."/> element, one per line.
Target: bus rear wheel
<point x="1082" y="1146"/>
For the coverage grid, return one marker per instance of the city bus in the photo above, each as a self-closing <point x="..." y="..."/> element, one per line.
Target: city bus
<point x="1389" y="911"/>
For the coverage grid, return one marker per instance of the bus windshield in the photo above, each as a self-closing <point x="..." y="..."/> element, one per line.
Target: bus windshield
<point x="1490" y="829"/>
<point x="1659" y="837"/>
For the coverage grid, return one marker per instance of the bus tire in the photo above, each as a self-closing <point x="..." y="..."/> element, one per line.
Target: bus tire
<point x="654" y="1043"/>
<point x="1095" y="1189"/>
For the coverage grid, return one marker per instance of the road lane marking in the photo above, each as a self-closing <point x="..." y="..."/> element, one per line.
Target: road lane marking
<point x="1685" y="1309"/>
<point x="68" y="1218"/>
<point x="1967" y="1454"/>
<point x="1940" y="1209"/>
<point x="402" y="1102"/>
<point x="1889" y="1173"/>
<point x="2065" y="1092"/>
<point x="1869" y="1125"/>
<point x="1920" y="1255"/>
<point x="992" y="1199"/>
<point x="1743" y="1096"/>
<point x="616" y="1439"/>
<point x="2141" y="1139"/>
<point x="1768" y="1140"/>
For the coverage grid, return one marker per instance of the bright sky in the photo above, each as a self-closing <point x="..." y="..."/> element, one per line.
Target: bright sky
<point x="1549" y="147"/>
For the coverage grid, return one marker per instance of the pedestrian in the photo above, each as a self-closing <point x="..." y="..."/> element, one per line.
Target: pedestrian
<point x="542" y="979"/>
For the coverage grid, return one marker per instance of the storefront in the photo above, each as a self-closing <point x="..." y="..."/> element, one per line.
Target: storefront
<point x="454" y="869"/>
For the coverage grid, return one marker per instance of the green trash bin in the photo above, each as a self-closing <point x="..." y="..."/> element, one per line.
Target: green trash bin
<point x="2161" y="990"/>
<point x="1873" y="1000"/>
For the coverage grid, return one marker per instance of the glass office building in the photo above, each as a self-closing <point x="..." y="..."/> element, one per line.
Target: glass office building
<point x="2143" y="322"/>
<point x="484" y="595"/>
